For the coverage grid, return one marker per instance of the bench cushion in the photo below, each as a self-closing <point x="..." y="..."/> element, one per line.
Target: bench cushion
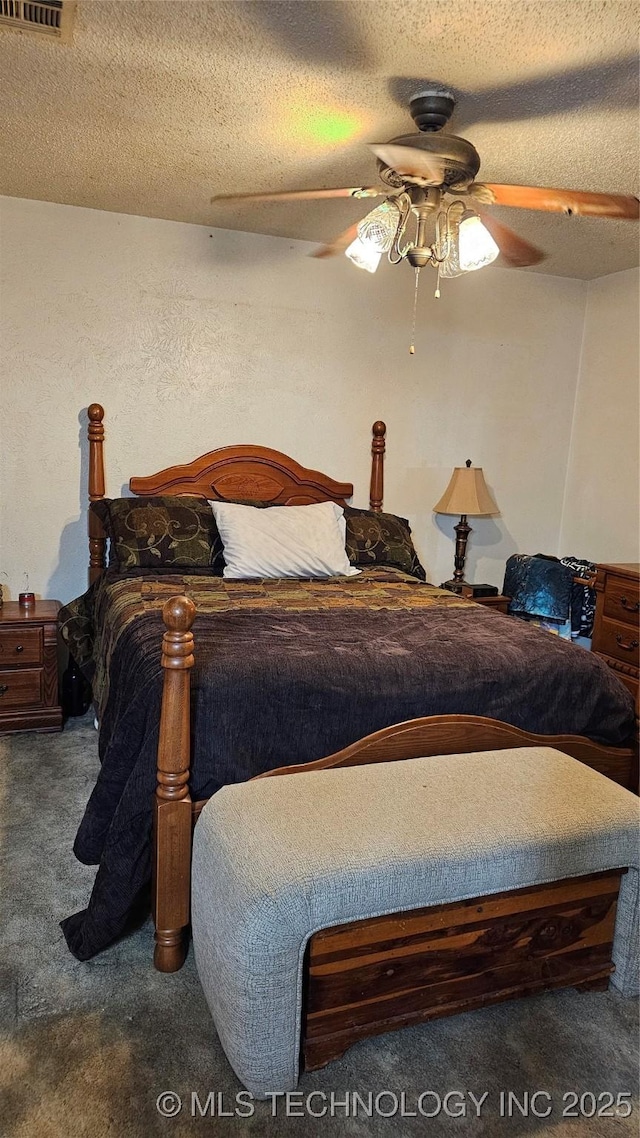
<point x="277" y="859"/>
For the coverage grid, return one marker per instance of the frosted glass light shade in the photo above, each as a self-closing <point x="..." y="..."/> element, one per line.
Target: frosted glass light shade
<point x="476" y="245"/>
<point x="449" y="239"/>
<point x="467" y="493"/>
<point x="379" y="226"/>
<point x="364" y="255"/>
<point x="450" y="267"/>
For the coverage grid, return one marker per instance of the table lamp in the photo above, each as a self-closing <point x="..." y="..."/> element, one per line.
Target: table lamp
<point x="467" y="493"/>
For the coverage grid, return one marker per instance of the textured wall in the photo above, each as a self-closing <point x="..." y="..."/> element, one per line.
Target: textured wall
<point x="602" y="506"/>
<point x="193" y="341"/>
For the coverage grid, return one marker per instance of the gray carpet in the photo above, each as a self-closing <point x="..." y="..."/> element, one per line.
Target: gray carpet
<point x="87" y="1048"/>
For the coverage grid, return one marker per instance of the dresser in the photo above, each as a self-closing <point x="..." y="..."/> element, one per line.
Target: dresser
<point x="29" y="694"/>
<point x="616" y="635"/>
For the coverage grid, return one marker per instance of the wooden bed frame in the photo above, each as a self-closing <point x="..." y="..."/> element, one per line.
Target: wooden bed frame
<point x="261" y="474"/>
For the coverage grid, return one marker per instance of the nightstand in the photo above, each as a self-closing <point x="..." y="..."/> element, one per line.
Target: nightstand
<point x="499" y="602"/>
<point x="29" y="697"/>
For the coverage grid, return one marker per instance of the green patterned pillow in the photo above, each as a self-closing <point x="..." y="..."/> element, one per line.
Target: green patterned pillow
<point x="173" y="532"/>
<point x="381" y="539"/>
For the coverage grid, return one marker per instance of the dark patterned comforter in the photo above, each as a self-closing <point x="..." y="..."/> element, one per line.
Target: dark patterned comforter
<point x="290" y="671"/>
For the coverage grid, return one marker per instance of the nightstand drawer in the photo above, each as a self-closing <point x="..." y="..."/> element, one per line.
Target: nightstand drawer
<point x="621" y="641"/>
<point x="20" y="688"/>
<point x="622" y="601"/>
<point x="20" y="647"/>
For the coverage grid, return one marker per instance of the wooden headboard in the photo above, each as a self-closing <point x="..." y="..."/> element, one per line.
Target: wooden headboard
<point x="228" y="474"/>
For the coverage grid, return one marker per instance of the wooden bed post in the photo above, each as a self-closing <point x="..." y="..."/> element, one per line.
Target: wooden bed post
<point x="97" y="538"/>
<point x="172" y="814"/>
<point x="377" y="466"/>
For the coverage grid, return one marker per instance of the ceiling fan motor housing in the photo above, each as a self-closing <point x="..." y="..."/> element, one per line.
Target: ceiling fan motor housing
<point x="460" y="159"/>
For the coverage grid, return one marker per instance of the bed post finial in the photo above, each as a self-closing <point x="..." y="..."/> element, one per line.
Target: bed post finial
<point x="378" y="446"/>
<point x="172" y="815"/>
<point x="97" y="538"/>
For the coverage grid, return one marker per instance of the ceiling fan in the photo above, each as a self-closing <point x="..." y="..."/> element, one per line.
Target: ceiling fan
<point x="432" y="173"/>
<point x="431" y="176"/>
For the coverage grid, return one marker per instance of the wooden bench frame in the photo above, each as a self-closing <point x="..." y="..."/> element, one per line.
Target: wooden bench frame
<point x="383" y="973"/>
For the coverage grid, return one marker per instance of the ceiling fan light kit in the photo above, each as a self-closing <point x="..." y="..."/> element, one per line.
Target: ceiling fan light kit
<point x="462" y="245"/>
<point x="430" y="180"/>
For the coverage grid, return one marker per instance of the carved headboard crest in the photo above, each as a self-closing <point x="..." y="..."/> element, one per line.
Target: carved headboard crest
<point x="257" y="473"/>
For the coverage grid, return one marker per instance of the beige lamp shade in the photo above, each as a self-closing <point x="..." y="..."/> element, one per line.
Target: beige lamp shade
<point x="467" y="493"/>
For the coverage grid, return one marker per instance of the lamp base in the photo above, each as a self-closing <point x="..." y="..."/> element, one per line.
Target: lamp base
<point x="480" y="591"/>
<point x="454" y="586"/>
<point x="470" y="590"/>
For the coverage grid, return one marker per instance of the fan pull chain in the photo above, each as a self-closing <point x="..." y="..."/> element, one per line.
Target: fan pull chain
<point x="437" y="292"/>
<point x="412" y="348"/>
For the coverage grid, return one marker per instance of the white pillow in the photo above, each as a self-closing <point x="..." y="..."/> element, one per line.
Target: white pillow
<point x="283" y="541"/>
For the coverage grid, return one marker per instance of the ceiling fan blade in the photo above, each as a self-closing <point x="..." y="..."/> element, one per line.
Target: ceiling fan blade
<point x="565" y="201"/>
<point x="409" y="160"/>
<point x="514" y="250"/>
<point x="304" y="195"/>
<point x="339" y="244"/>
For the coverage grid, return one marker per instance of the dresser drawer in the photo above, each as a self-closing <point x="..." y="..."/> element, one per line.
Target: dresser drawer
<point x="20" y="647"/>
<point x="629" y="682"/>
<point x="622" y="600"/>
<point x="20" y="687"/>
<point x="621" y="641"/>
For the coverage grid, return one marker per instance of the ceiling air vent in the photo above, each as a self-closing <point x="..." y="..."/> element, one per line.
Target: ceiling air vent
<point x="51" y="18"/>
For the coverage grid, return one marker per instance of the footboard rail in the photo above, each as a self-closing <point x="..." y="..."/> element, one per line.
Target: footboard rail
<point x="172" y="809"/>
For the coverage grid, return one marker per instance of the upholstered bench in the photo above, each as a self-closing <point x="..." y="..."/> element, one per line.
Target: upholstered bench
<point x="498" y="868"/>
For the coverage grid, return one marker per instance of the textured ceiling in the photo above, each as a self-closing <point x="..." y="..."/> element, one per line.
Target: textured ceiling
<point x="158" y="104"/>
